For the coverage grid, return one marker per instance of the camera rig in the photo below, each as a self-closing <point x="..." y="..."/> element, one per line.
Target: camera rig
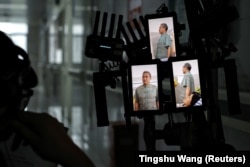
<point x="205" y="42"/>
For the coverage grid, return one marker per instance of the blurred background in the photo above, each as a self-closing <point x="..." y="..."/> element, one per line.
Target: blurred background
<point x="53" y="32"/>
<point x="154" y="34"/>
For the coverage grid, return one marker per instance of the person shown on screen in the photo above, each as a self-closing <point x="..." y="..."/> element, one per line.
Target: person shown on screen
<point x="146" y="95"/>
<point x="164" y="42"/>
<point x="187" y="83"/>
<point x="193" y="100"/>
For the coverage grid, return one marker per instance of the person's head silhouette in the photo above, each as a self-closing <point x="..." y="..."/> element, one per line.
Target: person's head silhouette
<point x="16" y="80"/>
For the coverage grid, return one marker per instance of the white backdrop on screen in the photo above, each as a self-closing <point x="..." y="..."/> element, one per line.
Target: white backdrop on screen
<point x="154" y="24"/>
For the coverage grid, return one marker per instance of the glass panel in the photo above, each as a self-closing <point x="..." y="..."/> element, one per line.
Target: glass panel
<point x="17" y="32"/>
<point x="77" y="47"/>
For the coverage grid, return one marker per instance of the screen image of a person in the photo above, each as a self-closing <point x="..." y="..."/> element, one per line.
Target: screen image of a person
<point x="187" y="83"/>
<point x="163" y="44"/>
<point x="192" y="100"/>
<point x="146" y="95"/>
<point x="28" y="138"/>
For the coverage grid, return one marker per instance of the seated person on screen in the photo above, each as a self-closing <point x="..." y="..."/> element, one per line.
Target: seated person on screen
<point x="164" y="42"/>
<point x="146" y="95"/>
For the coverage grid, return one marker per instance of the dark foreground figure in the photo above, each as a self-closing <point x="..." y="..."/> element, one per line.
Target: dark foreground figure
<point x="46" y="136"/>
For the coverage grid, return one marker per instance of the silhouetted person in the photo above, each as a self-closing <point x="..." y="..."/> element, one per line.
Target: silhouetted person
<point x="45" y="134"/>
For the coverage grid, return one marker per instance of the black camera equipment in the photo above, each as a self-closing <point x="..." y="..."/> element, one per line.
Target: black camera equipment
<point x="207" y="21"/>
<point x="106" y="48"/>
<point x="196" y="132"/>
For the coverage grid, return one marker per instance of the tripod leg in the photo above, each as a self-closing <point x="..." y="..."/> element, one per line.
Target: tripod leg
<point x="148" y="134"/>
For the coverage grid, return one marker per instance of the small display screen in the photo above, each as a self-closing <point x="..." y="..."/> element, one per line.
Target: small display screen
<point x="162" y="38"/>
<point x="144" y="84"/>
<point x="187" y="85"/>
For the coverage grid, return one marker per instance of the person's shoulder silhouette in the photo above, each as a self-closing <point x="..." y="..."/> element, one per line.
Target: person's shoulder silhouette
<point x="17" y="78"/>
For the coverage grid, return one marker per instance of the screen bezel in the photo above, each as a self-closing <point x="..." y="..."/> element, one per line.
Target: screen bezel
<point x="202" y="84"/>
<point x="130" y="82"/>
<point x="159" y="16"/>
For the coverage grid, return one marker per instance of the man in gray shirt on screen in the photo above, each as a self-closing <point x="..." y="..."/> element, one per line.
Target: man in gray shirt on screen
<point x="146" y="95"/>
<point x="188" y="82"/>
<point x="164" y="42"/>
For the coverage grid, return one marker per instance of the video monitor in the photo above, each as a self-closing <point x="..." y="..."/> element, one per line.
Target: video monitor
<point x="187" y="85"/>
<point x="162" y="36"/>
<point x="144" y="89"/>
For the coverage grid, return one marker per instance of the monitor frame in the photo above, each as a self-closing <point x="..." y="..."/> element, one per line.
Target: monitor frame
<point x="131" y="90"/>
<point x="202" y="82"/>
<point x="174" y="26"/>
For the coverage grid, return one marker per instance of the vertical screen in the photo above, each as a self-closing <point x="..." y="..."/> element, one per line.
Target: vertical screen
<point x="187" y="84"/>
<point x="162" y="38"/>
<point x="145" y="87"/>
